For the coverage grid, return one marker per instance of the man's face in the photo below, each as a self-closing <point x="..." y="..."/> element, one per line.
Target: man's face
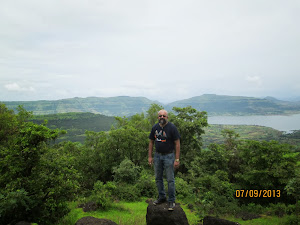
<point x="162" y="117"/>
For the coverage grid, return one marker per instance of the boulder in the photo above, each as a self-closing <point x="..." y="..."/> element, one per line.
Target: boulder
<point x="159" y="215"/>
<point x="208" y="220"/>
<point x="89" y="220"/>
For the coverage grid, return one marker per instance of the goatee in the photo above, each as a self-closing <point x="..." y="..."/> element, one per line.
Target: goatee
<point x="162" y="121"/>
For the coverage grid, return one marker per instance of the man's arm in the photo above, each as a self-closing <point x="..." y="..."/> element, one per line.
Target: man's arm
<point x="177" y="153"/>
<point x="150" y="159"/>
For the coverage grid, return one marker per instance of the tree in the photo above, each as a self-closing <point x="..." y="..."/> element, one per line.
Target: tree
<point x="34" y="182"/>
<point x="152" y="113"/>
<point x="266" y="166"/>
<point x="190" y="124"/>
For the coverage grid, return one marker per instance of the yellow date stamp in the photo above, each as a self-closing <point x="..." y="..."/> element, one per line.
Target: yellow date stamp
<point x="257" y="193"/>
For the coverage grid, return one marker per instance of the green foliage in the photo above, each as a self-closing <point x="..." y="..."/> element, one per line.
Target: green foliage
<point x="13" y="203"/>
<point x="230" y="139"/>
<point x="292" y="220"/>
<point x="126" y="172"/>
<point x="184" y="191"/>
<point x="101" y="194"/>
<point x="35" y="181"/>
<point x="214" y="193"/>
<point x="146" y="184"/>
<point x="127" y="192"/>
<point x="190" y="124"/>
<point x="265" y="165"/>
<point x="152" y="113"/>
<point x="293" y="186"/>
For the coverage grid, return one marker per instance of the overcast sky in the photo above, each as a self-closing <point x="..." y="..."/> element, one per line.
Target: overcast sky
<point x="164" y="50"/>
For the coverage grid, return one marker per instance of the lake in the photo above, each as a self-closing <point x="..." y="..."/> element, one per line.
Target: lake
<point x="286" y="123"/>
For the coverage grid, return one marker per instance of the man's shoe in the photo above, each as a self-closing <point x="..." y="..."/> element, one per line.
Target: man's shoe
<point x="159" y="201"/>
<point x="171" y="206"/>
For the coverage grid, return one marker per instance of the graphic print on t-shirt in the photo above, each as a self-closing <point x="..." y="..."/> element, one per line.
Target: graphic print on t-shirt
<point x="161" y="136"/>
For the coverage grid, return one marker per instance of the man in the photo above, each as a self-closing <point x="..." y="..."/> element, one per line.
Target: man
<point x="167" y="139"/>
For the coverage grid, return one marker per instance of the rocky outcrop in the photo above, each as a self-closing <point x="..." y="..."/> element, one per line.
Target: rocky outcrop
<point x="159" y="215"/>
<point x="208" y="220"/>
<point x="89" y="220"/>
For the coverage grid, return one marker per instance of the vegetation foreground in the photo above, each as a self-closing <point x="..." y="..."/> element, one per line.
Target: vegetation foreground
<point x="43" y="182"/>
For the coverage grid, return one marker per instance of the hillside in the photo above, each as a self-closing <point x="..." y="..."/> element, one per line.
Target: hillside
<point x="237" y="105"/>
<point x="126" y="106"/>
<point x="75" y="124"/>
<point x="112" y="106"/>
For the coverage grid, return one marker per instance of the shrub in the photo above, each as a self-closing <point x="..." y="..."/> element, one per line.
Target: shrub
<point x="146" y="185"/>
<point x="101" y="195"/>
<point x="127" y="192"/>
<point x="183" y="189"/>
<point x="126" y="172"/>
<point x="292" y="220"/>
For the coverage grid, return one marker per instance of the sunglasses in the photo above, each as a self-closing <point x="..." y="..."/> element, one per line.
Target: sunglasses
<point x="162" y="116"/>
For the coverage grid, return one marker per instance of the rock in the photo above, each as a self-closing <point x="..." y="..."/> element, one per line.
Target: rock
<point x="208" y="220"/>
<point x="159" y="215"/>
<point x="89" y="220"/>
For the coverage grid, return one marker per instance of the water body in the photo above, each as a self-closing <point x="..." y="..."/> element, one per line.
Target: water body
<point x="284" y="123"/>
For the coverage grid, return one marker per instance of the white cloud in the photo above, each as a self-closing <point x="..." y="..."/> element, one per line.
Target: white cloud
<point x="17" y="87"/>
<point x="255" y="80"/>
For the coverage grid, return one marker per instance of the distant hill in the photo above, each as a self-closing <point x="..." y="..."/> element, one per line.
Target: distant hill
<point x="111" y="106"/>
<point x="126" y="106"/>
<point x="237" y="105"/>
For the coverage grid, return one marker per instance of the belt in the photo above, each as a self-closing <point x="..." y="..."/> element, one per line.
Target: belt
<point x="164" y="153"/>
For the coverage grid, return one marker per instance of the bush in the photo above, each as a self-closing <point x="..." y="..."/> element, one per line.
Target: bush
<point x="278" y="209"/>
<point x="215" y="194"/>
<point x="292" y="220"/>
<point x="146" y="185"/>
<point x="126" y="172"/>
<point x="13" y="203"/>
<point x="183" y="189"/>
<point x="252" y="208"/>
<point x="127" y="192"/>
<point x="101" y="195"/>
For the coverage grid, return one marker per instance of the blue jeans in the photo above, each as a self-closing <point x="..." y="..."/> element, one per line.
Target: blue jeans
<point x="165" y="163"/>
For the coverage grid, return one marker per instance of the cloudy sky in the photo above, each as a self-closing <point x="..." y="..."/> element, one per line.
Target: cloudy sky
<point x="164" y="50"/>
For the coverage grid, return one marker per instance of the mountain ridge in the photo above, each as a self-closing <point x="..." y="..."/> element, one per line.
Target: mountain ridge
<point x="127" y="106"/>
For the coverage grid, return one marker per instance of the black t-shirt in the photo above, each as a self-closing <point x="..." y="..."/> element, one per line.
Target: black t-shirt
<point x="164" y="137"/>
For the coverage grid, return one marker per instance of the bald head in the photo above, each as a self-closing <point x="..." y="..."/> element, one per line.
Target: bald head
<point x="162" y="112"/>
<point x="163" y="117"/>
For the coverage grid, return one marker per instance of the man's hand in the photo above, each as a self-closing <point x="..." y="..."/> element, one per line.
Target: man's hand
<point x="150" y="161"/>
<point x="176" y="164"/>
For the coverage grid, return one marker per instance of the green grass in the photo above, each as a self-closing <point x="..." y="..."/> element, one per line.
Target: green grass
<point x="122" y="213"/>
<point x="264" y="220"/>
